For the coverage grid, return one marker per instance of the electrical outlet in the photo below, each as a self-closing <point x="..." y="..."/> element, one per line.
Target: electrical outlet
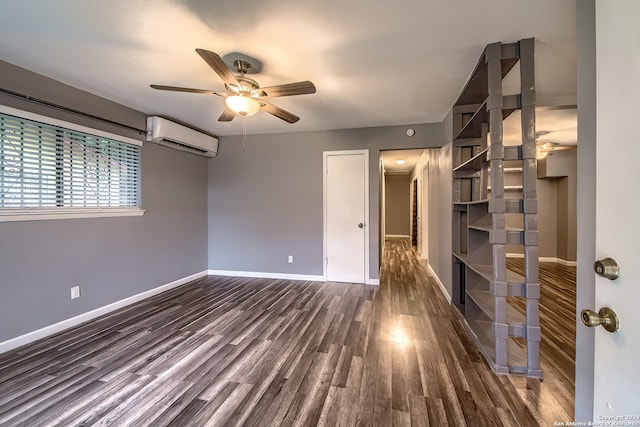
<point x="75" y="292"/>
<point x="290" y="259"/>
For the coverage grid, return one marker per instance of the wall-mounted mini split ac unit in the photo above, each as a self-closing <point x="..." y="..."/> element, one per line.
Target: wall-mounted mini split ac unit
<point x="174" y="135"/>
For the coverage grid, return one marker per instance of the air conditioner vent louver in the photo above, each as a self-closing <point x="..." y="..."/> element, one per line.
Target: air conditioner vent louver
<point x="165" y="132"/>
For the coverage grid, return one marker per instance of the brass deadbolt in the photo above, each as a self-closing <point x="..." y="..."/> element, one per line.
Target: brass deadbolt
<point x="607" y="268"/>
<point x="605" y="317"/>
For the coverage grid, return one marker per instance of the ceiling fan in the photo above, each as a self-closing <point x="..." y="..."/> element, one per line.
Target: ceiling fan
<point x="243" y="95"/>
<point x="544" y="146"/>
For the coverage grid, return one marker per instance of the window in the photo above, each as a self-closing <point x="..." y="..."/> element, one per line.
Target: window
<point x="50" y="167"/>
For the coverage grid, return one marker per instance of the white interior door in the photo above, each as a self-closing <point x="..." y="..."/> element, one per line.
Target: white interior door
<point x="617" y="377"/>
<point x="346" y="216"/>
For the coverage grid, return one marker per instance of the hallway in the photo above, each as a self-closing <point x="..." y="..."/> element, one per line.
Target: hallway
<point x="238" y="351"/>
<point x="452" y="371"/>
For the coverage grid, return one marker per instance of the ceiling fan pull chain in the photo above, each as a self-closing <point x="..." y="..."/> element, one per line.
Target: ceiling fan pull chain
<point x="244" y="132"/>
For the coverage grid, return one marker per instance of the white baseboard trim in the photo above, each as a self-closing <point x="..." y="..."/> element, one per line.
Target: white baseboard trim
<point x="396" y="236"/>
<point x="565" y="262"/>
<point x="89" y="315"/>
<point x="547" y="259"/>
<point x="442" y="287"/>
<point x="264" y="275"/>
<point x="269" y="275"/>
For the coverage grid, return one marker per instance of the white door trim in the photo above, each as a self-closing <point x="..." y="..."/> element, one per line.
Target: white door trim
<point x="325" y="155"/>
<point x="424" y="214"/>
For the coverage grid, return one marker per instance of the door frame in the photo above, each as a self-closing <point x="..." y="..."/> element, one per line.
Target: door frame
<point x="367" y="223"/>
<point x="424" y="211"/>
<point x="414" y="212"/>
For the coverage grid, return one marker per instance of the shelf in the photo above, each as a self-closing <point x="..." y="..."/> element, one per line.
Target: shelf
<point x="462" y="257"/>
<point x="466" y="174"/>
<point x="483" y="332"/>
<point x="485" y="301"/>
<point x="509" y="188"/>
<point x="473" y="202"/>
<point x="486" y="271"/>
<point x="515" y="282"/>
<point x="476" y="89"/>
<point x="473" y="128"/>
<point x="508" y="170"/>
<point x="514" y="236"/>
<point x="484" y="226"/>
<point x="468" y="142"/>
<point x="474" y="163"/>
<point x="485" y="223"/>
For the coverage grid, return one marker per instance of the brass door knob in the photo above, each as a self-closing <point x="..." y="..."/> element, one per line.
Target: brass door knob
<point x="607" y="268"/>
<point x="605" y="317"/>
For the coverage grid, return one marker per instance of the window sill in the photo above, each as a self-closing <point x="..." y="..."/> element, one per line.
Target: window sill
<point x="55" y="214"/>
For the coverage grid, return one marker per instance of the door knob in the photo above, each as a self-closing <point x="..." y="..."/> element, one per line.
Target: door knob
<point x="360" y="225"/>
<point x="607" y="268"/>
<point x="605" y="317"/>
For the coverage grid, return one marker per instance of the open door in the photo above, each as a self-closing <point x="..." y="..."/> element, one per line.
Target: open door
<point x="616" y="397"/>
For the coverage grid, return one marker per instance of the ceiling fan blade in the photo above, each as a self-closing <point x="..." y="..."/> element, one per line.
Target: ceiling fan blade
<point x="279" y="112"/>
<point x="289" y="89"/>
<point x="218" y="65"/>
<point x="227" y="115"/>
<point x="183" y="89"/>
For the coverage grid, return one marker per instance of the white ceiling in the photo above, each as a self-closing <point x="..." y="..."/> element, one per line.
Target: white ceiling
<point x="374" y="63"/>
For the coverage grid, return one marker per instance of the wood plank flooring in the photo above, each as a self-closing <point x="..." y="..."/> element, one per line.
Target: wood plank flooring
<point x="257" y="352"/>
<point x="554" y="398"/>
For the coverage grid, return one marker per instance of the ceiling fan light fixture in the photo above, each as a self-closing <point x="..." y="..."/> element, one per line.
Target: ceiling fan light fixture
<point x="242" y="105"/>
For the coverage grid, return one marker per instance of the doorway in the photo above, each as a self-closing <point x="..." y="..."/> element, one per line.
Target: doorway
<point x="414" y="214"/>
<point x="402" y="209"/>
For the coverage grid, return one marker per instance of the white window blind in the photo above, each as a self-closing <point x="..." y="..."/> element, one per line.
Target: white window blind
<point x="46" y="165"/>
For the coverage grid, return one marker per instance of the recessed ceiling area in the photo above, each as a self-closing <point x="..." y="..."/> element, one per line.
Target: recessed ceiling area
<point x="373" y="63"/>
<point x="390" y="158"/>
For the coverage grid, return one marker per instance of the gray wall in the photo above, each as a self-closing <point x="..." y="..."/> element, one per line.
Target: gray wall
<point x="440" y="205"/>
<point x="79" y="106"/>
<point x="265" y="202"/>
<point x="547" y="193"/>
<point x="110" y="258"/>
<point x="567" y="238"/>
<point x="438" y="219"/>
<point x="557" y="205"/>
<point x="586" y="204"/>
<point x="567" y="213"/>
<point x="397" y="212"/>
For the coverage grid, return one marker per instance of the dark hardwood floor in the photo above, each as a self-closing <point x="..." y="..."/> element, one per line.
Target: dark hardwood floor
<point x="558" y="346"/>
<point x="256" y="352"/>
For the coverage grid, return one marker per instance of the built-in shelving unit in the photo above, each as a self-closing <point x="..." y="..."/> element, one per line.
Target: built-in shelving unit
<point x="485" y="209"/>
